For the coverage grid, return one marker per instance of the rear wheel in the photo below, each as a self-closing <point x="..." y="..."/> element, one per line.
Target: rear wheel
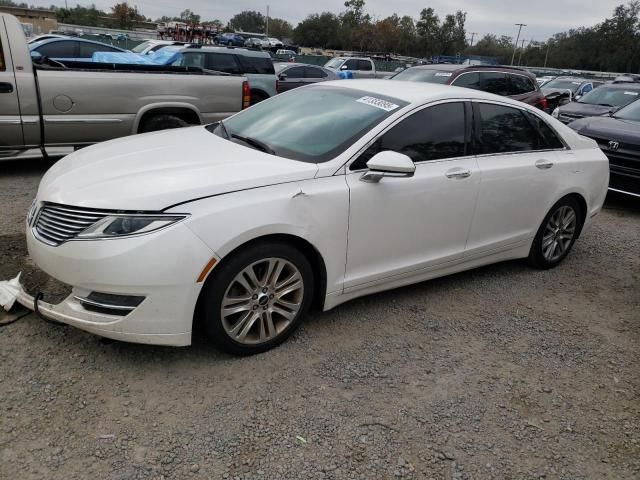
<point x="257" y="97"/>
<point x="257" y="298"/>
<point x="162" y="122"/>
<point x="557" y="234"/>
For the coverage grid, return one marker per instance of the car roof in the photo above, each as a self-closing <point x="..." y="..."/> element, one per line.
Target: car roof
<point x="454" y="67"/>
<point x="238" y="50"/>
<point x="71" y="39"/>
<point x="419" y="92"/>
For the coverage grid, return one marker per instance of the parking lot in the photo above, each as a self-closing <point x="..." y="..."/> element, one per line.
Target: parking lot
<point x="501" y="372"/>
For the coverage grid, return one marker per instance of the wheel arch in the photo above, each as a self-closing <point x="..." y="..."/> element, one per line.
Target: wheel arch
<point x="301" y="244"/>
<point x="582" y="202"/>
<point x="187" y="112"/>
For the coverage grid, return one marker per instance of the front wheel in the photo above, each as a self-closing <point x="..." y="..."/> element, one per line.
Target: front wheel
<point x="557" y="234"/>
<point x="257" y="298"/>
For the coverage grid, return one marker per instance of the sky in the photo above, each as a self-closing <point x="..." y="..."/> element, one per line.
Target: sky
<point x="543" y="17"/>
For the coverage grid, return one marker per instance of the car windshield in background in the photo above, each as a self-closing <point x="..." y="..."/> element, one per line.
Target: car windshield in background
<point x="630" y="112"/>
<point x="565" y="84"/>
<point x="423" y="75"/>
<point x="334" y="63"/>
<point x="311" y="125"/>
<point x="140" y="47"/>
<point x="611" y="96"/>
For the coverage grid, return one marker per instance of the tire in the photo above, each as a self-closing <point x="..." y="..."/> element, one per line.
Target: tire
<point x="257" y="97"/>
<point x="551" y="245"/>
<point x="230" y="44"/>
<point x="162" y="122"/>
<point x="244" y="328"/>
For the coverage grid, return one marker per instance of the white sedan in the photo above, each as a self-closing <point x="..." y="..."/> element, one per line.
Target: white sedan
<point x="320" y="195"/>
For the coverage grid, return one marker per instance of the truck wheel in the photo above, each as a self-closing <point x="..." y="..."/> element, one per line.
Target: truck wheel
<point x="257" y="97"/>
<point x="162" y="122"/>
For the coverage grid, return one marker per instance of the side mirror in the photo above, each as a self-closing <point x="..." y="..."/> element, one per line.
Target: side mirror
<point x="343" y="67"/>
<point x="35" y="55"/>
<point x="388" y="164"/>
<point x="282" y="76"/>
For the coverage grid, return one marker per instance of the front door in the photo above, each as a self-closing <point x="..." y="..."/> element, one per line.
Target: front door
<point x="10" y="119"/>
<point x="400" y="226"/>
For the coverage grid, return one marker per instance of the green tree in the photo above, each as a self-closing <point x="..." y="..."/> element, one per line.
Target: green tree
<point x="189" y="17"/>
<point x="280" y="28"/>
<point x="125" y="15"/>
<point x="248" y="21"/>
<point x="428" y="28"/>
<point x="318" y="30"/>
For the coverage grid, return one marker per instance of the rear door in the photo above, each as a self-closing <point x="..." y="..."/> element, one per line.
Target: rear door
<point x="10" y="118"/>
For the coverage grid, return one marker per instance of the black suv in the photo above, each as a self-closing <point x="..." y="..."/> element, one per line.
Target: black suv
<point x="603" y="100"/>
<point x="618" y="136"/>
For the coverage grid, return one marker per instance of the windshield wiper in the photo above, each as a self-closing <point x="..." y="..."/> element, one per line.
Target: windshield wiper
<point x="224" y="129"/>
<point x="255" y="143"/>
<point x="604" y="104"/>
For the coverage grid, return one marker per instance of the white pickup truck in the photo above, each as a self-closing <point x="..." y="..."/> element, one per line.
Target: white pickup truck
<point x="360" y="67"/>
<point x="54" y="107"/>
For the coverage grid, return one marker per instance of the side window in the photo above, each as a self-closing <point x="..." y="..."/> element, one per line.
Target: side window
<point x="193" y="60"/>
<point x="352" y="64"/>
<point x="260" y="65"/>
<point x="295" y="72"/>
<point x="586" y="89"/>
<point x="365" y="65"/>
<point x="313" y="72"/>
<point x="505" y="129"/>
<point x="550" y="138"/>
<point x="3" y="66"/>
<point x="519" y="85"/>
<point x="58" y="50"/>
<point x="87" y="50"/>
<point x="468" y="80"/>
<point x="221" y="62"/>
<point x="494" y="82"/>
<point x="433" y="133"/>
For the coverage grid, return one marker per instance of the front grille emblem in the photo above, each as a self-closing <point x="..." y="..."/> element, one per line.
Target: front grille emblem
<point x="613" y="145"/>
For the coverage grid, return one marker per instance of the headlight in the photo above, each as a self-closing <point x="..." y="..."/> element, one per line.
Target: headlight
<point x="556" y="112"/>
<point x="113" y="226"/>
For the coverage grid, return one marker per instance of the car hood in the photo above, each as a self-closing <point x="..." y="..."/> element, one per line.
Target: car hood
<point x="585" y="109"/>
<point x="609" y="128"/>
<point x="156" y="170"/>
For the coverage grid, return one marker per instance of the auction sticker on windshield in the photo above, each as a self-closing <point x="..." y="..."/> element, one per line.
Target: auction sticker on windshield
<point x="443" y="74"/>
<point x="631" y="93"/>
<point x="378" y="103"/>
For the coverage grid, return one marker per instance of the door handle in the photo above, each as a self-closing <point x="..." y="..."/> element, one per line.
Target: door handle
<point x="544" y="164"/>
<point x="458" y="173"/>
<point x="6" y="87"/>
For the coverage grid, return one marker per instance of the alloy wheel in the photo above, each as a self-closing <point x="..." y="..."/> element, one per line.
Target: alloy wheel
<point x="559" y="233"/>
<point x="262" y="301"/>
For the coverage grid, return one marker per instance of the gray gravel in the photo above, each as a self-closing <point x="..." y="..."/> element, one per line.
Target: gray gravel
<point x="503" y="372"/>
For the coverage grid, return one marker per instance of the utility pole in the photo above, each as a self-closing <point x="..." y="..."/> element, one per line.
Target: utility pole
<point x="267" y="31"/>
<point x="473" y="34"/>
<point x="546" y="57"/>
<point x="515" y="45"/>
<point x="521" y="50"/>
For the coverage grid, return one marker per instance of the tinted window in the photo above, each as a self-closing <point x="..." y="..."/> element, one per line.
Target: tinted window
<point x="468" y="80"/>
<point x="519" y="85"/>
<point x="313" y="72"/>
<point x="295" y="72"/>
<point x="351" y="64"/>
<point x="505" y="129"/>
<point x="222" y="63"/>
<point x="2" y="64"/>
<point x="192" y="60"/>
<point x="88" y="49"/>
<point x="494" y="82"/>
<point x="417" y="74"/>
<point x="365" y="65"/>
<point x="549" y="136"/>
<point x="433" y="133"/>
<point x="260" y="65"/>
<point x="58" y="50"/>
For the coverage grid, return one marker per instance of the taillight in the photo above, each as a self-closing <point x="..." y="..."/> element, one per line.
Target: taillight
<point x="246" y="95"/>
<point x="543" y="103"/>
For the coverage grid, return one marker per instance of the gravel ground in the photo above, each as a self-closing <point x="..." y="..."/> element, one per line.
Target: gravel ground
<point x="503" y="372"/>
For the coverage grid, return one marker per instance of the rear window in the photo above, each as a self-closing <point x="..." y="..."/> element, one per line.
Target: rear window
<point x="519" y="85"/>
<point x="423" y="75"/>
<point x="259" y="65"/>
<point x="495" y="82"/>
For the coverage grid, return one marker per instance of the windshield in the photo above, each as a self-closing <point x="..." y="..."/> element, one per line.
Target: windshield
<point x="610" y="96"/>
<point x="139" y="48"/>
<point x="630" y="112"/>
<point x="423" y="75"/>
<point x="564" y="84"/>
<point x="334" y="63"/>
<point x="313" y="124"/>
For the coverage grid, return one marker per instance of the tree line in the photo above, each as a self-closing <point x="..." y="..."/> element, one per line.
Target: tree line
<point x="612" y="45"/>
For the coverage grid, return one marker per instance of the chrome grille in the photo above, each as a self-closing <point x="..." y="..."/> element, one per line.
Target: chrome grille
<point x="56" y="224"/>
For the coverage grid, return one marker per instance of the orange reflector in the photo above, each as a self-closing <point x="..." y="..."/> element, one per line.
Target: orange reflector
<point x="207" y="268"/>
